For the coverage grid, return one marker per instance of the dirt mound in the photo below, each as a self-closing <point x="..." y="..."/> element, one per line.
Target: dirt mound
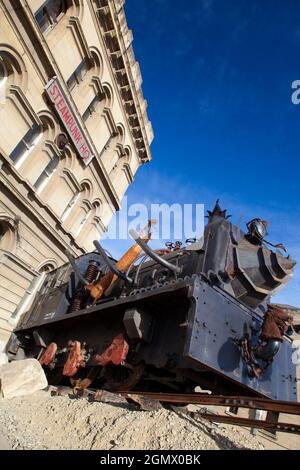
<point x="41" y="421"/>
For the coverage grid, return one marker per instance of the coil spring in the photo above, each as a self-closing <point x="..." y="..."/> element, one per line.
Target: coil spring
<point x="91" y="272"/>
<point x="90" y="275"/>
<point x="76" y="305"/>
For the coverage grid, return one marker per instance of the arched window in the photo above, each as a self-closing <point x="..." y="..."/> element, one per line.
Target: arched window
<point x="50" y="13"/>
<point x="83" y="220"/>
<point x="13" y="109"/>
<point x="2" y="232"/>
<point x="7" y="234"/>
<point x="46" y="174"/>
<point x="38" y="163"/>
<point x="62" y="191"/>
<point x="97" y="114"/>
<point x="91" y="229"/>
<point x="26" y="145"/>
<point x="3" y="73"/>
<point x="119" y="172"/>
<point x="77" y="76"/>
<point x="70" y="206"/>
<point x="96" y="106"/>
<point x="12" y="69"/>
<point x="3" y="79"/>
<point x="77" y="217"/>
<point x="113" y="150"/>
<point x="32" y="290"/>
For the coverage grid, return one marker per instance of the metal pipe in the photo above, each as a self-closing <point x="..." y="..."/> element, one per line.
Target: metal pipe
<point x="75" y="267"/>
<point x="111" y="264"/>
<point x="142" y="255"/>
<point x="137" y="273"/>
<point x="152" y="253"/>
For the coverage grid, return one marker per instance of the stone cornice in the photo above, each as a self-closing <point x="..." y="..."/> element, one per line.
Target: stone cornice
<point x="118" y="38"/>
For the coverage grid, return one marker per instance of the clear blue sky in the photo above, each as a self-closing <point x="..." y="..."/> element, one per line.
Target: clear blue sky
<point x="217" y="76"/>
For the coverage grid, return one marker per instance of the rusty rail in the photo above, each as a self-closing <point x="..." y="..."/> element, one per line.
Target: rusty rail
<point x="253" y="423"/>
<point x="254" y="403"/>
<point x="286" y="407"/>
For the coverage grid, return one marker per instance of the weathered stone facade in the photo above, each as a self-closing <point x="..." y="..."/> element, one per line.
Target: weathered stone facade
<point x="50" y="197"/>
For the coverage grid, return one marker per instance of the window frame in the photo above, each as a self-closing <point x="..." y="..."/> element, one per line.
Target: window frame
<point x="52" y="19"/>
<point x="92" y="107"/>
<point x="78" y="75"/>
<point x="4" y="74"/>
<point x="46" y="174"/>
<point x="2" y="232"/>
<point x="26" y="144"/>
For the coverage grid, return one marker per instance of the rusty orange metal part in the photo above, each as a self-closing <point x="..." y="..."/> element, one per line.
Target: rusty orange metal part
<point x="74" y="359"/>
<point x="100" y="287"/>
<point x="48" y="355"/>
<point x="115" y="353"/>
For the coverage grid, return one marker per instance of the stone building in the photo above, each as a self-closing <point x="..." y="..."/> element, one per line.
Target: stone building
<point x="74" y="130"/>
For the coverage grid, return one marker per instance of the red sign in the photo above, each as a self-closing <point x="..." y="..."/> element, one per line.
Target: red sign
<point x="68" y="119"/>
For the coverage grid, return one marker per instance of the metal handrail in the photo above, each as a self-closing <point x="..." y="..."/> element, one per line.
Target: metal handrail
<point x="111" y="264"/>
<point x="152" y="254"/>
<point x="75" y="267"/>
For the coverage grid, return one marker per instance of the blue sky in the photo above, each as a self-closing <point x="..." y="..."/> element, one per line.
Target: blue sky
<point x="217" y="76"/>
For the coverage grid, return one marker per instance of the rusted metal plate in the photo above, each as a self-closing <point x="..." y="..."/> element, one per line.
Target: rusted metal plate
<point x="48" y="355"/>
<point x="115" y="353"/>
<point x="74" y="359"/>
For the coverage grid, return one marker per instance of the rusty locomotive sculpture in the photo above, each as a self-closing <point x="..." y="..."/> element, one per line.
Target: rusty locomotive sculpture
<point x="171" y="319"/>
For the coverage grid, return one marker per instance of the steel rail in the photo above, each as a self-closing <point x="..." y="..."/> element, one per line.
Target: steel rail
<point x="252" y="423"/>
<point x="266" y="404"/>
<point x="201" y="399"/>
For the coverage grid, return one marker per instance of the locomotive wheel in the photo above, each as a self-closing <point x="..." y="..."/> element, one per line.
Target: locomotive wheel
<point x="122" y="378"/>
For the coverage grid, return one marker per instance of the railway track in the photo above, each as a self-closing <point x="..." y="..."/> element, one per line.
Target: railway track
<point x="253" y="403"/>
<point x="152" y="400"/>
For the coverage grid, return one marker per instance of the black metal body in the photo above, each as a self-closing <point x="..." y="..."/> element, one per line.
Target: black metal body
<point x="192" y="320"/>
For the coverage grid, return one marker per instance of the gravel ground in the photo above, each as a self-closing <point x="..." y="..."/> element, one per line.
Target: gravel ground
<point x="42" y="421"/>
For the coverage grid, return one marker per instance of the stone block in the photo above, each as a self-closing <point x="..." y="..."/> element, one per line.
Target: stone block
<point x="21" y="378"/>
